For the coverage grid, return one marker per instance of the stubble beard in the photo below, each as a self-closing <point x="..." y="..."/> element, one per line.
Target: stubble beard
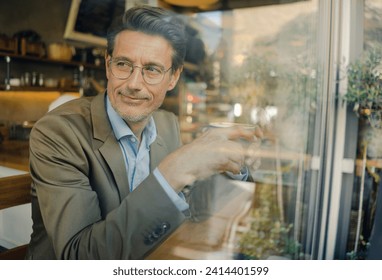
<point x="133" y="118"/>
<point x="129" y="117"/>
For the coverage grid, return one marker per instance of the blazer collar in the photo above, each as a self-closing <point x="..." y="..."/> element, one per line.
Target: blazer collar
<point x="108" y="144"/>
<point x="102" y="129"/>
<point x="158" y="151"/>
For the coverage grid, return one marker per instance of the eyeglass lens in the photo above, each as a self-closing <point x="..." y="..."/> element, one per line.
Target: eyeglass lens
<point x="152" y="74"/>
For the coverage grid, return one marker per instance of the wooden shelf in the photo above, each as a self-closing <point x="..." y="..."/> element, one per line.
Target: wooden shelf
<point x="40" y="89"/>
<point x="51" y="61"/>
<point x="191" y="67"/>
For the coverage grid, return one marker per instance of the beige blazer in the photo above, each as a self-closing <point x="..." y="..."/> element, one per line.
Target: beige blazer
<point x="81" y="206"/>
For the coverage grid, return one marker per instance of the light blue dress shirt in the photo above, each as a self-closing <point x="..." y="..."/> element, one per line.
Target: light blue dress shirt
<point x="137" y="155"/>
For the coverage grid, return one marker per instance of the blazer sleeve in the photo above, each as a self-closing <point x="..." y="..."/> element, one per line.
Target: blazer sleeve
<point x="81" y="211"/>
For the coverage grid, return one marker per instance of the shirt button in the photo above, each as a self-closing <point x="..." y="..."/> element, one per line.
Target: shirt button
<point x="133" y="140"/>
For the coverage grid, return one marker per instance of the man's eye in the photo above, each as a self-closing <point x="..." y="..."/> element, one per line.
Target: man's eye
<point x="153" y="69"/>
<point x="122" y="64"/>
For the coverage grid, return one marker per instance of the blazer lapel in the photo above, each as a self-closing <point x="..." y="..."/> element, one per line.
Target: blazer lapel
<point x="111" y="152"/>
<point x="158" y="151"/>
<point x="108" y="145"/>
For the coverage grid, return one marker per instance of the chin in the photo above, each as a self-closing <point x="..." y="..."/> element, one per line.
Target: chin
<point x="135" y="118"/>
<point x="129" y="116"/>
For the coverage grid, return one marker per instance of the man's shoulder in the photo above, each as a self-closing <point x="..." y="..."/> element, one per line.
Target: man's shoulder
<point x="166" y="122"/>
<point x="73" y="106"/>
<point x="164" y="115"/>
<point x="76" y="112"/>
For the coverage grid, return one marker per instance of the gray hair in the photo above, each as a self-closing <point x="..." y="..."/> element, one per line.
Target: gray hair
<point x="152" y="21"/>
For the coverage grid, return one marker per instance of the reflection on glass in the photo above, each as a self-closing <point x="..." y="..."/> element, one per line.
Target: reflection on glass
<point x="365" y="230"/>
<point x="260" y="69"/>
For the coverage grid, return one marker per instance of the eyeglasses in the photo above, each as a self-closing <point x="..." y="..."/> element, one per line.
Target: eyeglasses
<point x="152" y="74"/>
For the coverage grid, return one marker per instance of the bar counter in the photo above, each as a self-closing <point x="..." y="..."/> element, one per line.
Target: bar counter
<point x="15" y="154"/>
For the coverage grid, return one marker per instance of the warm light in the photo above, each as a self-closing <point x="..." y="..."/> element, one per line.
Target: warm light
<point x="191" y="3"/>
<point x="190" y="97"/>
<point x="271" y="111"/>
<point x="237" y="110"/>
<point x="263" y="116"/>
<point x="239" y="59"/>
<point x="189" y="108"/>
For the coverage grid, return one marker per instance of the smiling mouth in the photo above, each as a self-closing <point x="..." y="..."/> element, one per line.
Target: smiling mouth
<point x="133" y="99"/>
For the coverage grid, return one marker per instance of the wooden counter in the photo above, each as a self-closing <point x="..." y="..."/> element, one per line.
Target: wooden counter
<point x="217" y="236"/>
<point x="15" y="154"/>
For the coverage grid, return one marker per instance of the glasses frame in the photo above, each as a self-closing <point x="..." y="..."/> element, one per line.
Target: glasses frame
<point x="142" y="73"/>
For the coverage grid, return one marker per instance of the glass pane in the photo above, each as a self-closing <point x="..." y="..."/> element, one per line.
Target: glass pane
<point x="365" y="95"/>
<point x="254" y="66"/>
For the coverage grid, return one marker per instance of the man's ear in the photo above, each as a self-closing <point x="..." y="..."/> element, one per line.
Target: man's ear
<point x="174" y="78"/>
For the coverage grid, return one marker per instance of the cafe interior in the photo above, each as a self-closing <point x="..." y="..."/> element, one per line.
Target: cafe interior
<point x="307" y="72"/>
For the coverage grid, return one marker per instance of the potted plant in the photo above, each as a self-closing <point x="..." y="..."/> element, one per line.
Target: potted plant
<point x="364" y="90"/>
<point x="267" y="236"/>
<point x="364" y="93"/>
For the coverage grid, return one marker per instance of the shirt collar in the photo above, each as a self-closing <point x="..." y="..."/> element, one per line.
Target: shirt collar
<point x="121" y="129"/>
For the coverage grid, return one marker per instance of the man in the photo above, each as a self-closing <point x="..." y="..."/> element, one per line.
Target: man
<point x="108" y="172"/>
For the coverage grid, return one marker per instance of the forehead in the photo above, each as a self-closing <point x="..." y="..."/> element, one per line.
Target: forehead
<point x="143" y="48"/>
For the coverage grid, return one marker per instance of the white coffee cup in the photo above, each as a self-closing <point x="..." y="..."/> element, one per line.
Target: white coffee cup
<point x="252" y="157"/>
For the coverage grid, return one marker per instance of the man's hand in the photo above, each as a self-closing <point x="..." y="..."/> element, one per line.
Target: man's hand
<point x="216" y="150"/>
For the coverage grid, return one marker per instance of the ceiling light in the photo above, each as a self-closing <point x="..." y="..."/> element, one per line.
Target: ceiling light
<point x="191" y="3"/>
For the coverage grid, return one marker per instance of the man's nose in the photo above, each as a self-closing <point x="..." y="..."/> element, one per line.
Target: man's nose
<point x="136" y="80"/>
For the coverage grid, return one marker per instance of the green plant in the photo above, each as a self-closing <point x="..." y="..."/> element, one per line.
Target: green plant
<point x="267" y="236"/>
<point x="361" y="253"/>
<point x="364" y="91"/>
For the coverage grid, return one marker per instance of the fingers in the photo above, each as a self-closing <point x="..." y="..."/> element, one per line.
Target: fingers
<point x="232" y="166"/>
<point x="239" y="131"/>
<point x="216" y="150"/>
<point x="250" y="140"/>
<point x="236" y="133"/>
<point x="259" y="132"/>
<point x="232" y="156"/>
